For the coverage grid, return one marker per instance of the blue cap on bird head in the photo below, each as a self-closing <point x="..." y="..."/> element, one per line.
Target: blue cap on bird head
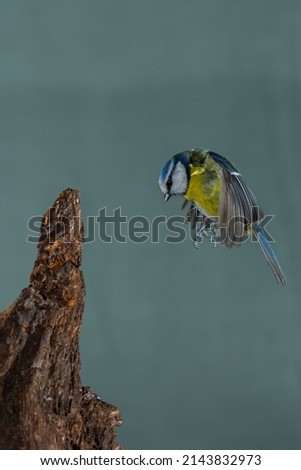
<point x="175" y="175"/>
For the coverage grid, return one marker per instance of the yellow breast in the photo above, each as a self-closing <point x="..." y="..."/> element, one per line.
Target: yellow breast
<point x="204" y="188"/>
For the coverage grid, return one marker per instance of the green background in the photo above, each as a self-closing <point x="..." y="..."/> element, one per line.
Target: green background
<point x="198" y="348"/>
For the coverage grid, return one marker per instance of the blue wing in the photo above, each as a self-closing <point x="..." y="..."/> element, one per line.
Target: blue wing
<point x="239" y="207"/>
<point x="223" y="162"/>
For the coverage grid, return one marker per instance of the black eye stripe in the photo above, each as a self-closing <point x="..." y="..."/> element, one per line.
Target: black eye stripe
<point x="169" y="183"/>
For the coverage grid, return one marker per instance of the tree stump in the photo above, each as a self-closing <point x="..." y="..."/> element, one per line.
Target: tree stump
<point x="42" y="402"/>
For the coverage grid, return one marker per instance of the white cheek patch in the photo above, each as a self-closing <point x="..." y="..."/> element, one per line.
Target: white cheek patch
<point x="179" y="179"/>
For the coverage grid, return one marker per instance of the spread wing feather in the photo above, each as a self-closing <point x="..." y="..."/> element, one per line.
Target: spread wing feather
<point x="239" y="207"/>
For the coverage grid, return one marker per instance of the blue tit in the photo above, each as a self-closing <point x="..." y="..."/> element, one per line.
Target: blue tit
<point x="223" y="206"/>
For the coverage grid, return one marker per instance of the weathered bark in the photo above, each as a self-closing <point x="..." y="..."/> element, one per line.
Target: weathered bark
<point x="42" y="402"/>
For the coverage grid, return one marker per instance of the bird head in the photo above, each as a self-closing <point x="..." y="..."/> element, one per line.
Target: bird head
<point x="174" y="176"/>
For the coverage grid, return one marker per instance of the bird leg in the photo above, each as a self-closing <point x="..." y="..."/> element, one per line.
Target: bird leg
<point x="208" y="228"/>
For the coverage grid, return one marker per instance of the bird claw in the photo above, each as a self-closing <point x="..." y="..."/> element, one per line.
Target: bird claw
<point x="209" y="231"/>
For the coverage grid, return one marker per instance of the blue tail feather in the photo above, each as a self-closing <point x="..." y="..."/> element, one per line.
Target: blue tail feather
<point x="269" y="254"/>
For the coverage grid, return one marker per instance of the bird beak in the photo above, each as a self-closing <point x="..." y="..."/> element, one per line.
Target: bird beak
<point x="166" y="196"/>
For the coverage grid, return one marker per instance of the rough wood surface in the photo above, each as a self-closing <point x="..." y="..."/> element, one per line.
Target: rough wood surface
<point x="42" y="402"/>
